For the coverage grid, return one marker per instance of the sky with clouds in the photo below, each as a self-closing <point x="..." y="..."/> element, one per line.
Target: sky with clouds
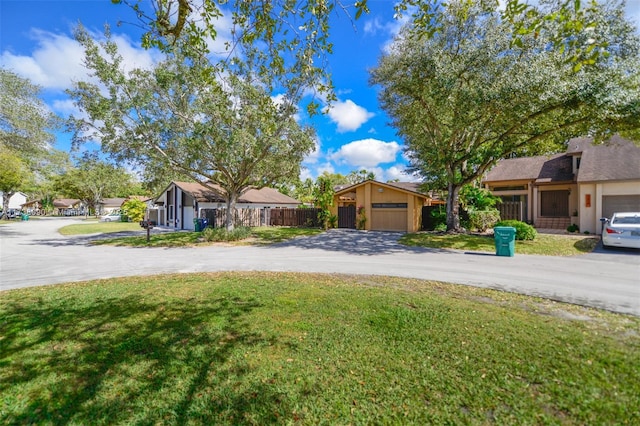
<point x="36" y="42"/>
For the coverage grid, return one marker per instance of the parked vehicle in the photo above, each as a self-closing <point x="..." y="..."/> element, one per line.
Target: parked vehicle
<point x="622" y="230"/>
<point x="111" y="217"/>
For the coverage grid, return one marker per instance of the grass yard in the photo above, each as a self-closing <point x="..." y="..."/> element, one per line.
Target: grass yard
<point x="544" y="244"/>
<point x="93" y="227"/>
<point x="267" y="348"/>
<point x="259" y="236"/>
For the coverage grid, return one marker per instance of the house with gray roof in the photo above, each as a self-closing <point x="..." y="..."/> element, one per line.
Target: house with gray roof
<point x="578" y="187"/>
<point x="182" y="202"/>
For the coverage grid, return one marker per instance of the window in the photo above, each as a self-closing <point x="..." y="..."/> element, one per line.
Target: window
<point x="170" y="214"/>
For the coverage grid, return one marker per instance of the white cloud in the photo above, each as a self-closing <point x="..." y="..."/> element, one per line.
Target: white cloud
<point x="315" y="155"/>
<point x="348" y="116"/>
<point x="57" y="61"/>
<point x="366" y="153"/>
<point x="400" y="173"/>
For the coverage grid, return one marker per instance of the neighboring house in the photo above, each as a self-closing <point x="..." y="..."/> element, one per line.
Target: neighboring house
<point x="68" y="207"/>
<point x="108" y="205"/>
<point x="387" y="206"/>
<point x="578" y="187"/>
<point x="15" y="202"/>
<point x="181" y="202"/>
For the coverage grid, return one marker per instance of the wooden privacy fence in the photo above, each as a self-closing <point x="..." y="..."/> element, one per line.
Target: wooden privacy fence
<point x="263" y="217"/>
<point x="512" y="210"/>
<point x="294" y="217"/>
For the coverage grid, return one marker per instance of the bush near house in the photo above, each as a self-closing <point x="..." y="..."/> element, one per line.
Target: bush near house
<point x="524" y="231"/>
<point x="481" y="220"/>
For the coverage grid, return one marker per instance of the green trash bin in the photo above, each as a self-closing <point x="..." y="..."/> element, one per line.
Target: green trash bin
<point x="196" y="225"/>
<point x="505" y="239"/>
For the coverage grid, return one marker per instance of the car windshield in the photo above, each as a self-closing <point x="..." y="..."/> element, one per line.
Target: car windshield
<point x="626" y="220"/>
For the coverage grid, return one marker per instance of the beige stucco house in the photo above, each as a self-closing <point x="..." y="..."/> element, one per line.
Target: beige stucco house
<point x="386" y="206"/>
<point x="578" y="187"/>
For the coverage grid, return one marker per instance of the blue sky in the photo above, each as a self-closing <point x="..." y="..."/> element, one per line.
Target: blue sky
<point x="36" y="42"/>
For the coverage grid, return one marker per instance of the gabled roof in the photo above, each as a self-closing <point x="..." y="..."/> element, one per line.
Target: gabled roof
<point x="616" y="159"/>
<point x="65" y="203"/>
<point x="408" y="187"/>
<point x="257" y="196"/>
<point x="112" y="202"/>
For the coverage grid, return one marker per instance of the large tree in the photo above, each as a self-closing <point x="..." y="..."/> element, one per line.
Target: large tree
<point x="466" y="96"/>
<point x="93" y="180"/>
<point x="12" y="172"/>
<point x="184" y="116"/>
<point x="25" y="121"/>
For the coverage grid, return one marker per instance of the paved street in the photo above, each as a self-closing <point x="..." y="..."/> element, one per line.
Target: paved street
<point x="33" y="253"/>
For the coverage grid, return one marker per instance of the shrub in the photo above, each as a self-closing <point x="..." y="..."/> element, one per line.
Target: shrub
<point x="573" y="228"/>
<point x="133" y="210"/>
<point x="524" y="231"/>
<point x="481" y="220"/>
<point x="221" y="234"/>
<point x="439" y="217"/>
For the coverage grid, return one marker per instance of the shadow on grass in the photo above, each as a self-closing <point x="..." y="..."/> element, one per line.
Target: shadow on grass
<point x="127" y="360"/>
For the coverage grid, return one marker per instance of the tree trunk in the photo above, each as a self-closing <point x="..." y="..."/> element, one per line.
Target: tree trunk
<point x="5" y="204"/>
<point x="453" y="207"/>
<point x="231" y="210"/>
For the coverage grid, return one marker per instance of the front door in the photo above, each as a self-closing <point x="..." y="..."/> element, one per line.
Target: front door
<point x="554" y="203"/>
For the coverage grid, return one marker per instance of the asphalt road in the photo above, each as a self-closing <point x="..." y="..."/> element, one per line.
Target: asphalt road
<point x="32" y="253"/>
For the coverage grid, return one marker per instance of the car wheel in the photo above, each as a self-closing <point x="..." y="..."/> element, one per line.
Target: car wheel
<point x="107" y="220"/>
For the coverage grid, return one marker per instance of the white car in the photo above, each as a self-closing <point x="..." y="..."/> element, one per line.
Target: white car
<point x="111" y="217"/>
<point x="622" y="230"/>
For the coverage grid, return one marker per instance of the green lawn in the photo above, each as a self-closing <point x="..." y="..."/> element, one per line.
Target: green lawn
<point x="544" y="244"/>
<point x="94" y="227"/>
<point x="259" y="235"/>
<point x="267" y="348"/>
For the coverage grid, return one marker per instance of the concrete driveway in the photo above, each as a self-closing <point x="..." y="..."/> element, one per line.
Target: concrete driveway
<point x="33" y="253"/>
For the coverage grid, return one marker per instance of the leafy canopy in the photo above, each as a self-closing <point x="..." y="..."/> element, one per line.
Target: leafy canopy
<point x="468" y="95"/>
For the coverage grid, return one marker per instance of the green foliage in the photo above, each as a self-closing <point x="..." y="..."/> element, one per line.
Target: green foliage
<point x="474" y="198"/>
<point x="464" y="95"/>
<point x="92" y="180"/>
<point x="187" y="116"/>
<point x="12" y="176"/>
<point x="361" y="219"/>
<point x="357" y="176"/>
<point x="223" y="234"/>
<point x="524" y="231"/>
<point x="25" y="121"/>
<point x="324" y="199"/>
<point x="481" y="220"/>
<point x="439" y="217"/>
<point x="134" y="209"/>
<point x="573" y="228"/>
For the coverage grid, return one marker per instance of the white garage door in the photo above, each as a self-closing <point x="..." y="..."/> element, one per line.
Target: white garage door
<point x="620" y="203"/>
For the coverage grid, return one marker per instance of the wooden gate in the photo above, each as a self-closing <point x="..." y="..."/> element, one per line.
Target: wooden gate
<point x="347" y="217"/>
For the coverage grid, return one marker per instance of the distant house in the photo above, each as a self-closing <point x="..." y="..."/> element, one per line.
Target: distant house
<point x="577" y="187"/>
<point x="108" y="205"/>
<point x="68" y="207"/>
<point x="182" y="202"/>
<point x="393" y="206"/>
<point x="15" y="202"/>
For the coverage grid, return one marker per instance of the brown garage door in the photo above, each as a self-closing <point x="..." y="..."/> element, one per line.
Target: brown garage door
<point x="389" y="217"/>
<point x="620" y="203"/>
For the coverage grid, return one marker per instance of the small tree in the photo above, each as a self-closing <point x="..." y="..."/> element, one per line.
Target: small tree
<point x="324" y="199"/>
<point x="12" y="172"/>
<point x="134" y="209"/>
